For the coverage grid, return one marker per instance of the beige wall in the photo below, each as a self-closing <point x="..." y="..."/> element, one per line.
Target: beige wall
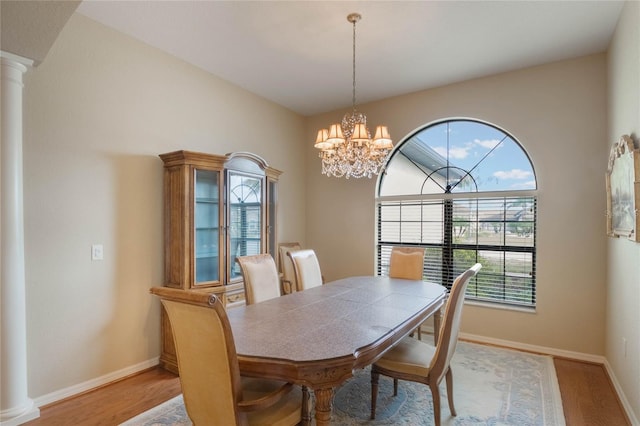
<point x="623" y="272"/>
<point x="98" y="112"/>
<point x="101" y="108"/>
<point x="558" y="113"/>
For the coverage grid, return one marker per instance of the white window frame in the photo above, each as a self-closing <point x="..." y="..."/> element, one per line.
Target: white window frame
<point x="501" y="282"/>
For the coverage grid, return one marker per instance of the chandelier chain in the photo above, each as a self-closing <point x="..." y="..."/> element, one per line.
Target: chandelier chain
<point x="353" y="100"/>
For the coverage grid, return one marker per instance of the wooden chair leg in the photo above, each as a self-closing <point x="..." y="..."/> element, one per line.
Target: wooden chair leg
<point x="395" y="387"/>
<point x="375" y="376"/>
<point x="306" y="407"/>
<point x="435" y="393"/>
<point x="449" y="379"/>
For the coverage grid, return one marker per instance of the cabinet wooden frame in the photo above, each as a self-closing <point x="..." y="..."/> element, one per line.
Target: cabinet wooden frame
<point x="181" y="171"/>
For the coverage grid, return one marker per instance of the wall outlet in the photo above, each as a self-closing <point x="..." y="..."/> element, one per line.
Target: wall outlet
<point x="624" y="347"/>
<point x="97" y="252"/>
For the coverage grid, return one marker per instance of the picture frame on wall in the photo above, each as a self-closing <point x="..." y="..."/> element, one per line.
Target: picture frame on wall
<point x="623" y="190"/>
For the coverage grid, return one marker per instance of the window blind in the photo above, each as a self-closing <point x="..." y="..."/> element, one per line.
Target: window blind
<point x="498" y="232"/>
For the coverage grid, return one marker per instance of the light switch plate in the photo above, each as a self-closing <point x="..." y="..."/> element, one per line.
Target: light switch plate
<point x="97" y="252"/>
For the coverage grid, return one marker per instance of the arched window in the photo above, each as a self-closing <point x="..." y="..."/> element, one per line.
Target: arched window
<point x="465" y="190"/>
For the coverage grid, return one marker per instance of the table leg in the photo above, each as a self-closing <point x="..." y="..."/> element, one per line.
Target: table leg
<point x="324" y="403"/>
<point x="437" y="319"/>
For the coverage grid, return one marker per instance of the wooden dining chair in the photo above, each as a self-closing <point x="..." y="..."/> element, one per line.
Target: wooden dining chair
<point x="289" y="284"/>
<point x="213" y="390"/>
<point x="407" y="263"/>
<point x="306" y="268"/>
<point x="418" y="361"/>
<point x="261" y="281"/>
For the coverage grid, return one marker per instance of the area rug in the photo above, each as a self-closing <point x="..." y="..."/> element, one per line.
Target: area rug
<point x="492" y="386"/>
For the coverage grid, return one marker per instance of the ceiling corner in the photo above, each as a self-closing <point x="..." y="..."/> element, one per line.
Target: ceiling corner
<point x="29" y="28"/>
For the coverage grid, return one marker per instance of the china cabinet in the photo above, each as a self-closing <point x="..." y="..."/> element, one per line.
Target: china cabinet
<point x="216" y="208"/>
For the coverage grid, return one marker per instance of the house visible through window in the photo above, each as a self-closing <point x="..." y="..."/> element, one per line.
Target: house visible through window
<point x="464" y="190"/>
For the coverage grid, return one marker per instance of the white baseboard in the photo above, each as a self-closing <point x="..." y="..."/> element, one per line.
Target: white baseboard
<point x="597" y="359"/>
<point x="94" y="383"/>
<point x="623" y="399"/>
<point x="564" y="354"/>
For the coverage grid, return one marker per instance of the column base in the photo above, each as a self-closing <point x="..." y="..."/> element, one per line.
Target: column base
<point x="15" y="417"/>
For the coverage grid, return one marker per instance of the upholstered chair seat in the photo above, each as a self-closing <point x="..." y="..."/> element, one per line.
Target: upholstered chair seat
<point x="409" y="356"/>
<point x="284" y="412"/>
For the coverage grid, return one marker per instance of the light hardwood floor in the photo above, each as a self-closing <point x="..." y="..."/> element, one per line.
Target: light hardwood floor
<point x="112" y="404"/>
<point x="587" y="396"/>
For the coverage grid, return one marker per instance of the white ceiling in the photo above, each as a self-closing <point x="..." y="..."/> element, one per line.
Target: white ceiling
<point x="299" y="53"/>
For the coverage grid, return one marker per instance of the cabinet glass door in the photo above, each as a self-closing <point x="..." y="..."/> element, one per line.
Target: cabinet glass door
<point x="245" y="219"/>
<point x="207" y="226"/>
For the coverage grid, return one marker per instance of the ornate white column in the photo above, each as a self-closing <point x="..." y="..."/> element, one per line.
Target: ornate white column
<point x="15" y="405"/>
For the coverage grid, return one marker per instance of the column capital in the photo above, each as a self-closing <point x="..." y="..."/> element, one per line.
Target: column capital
<point x="20" y="62"/>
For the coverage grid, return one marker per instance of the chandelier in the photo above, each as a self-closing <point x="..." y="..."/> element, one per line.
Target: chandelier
<point x="347" y="149"/>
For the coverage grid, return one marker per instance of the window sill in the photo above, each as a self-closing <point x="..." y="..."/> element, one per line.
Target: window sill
<point x="500" y="306"/>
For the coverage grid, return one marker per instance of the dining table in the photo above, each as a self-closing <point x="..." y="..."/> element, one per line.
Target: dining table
<point x="318" y="337"/>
